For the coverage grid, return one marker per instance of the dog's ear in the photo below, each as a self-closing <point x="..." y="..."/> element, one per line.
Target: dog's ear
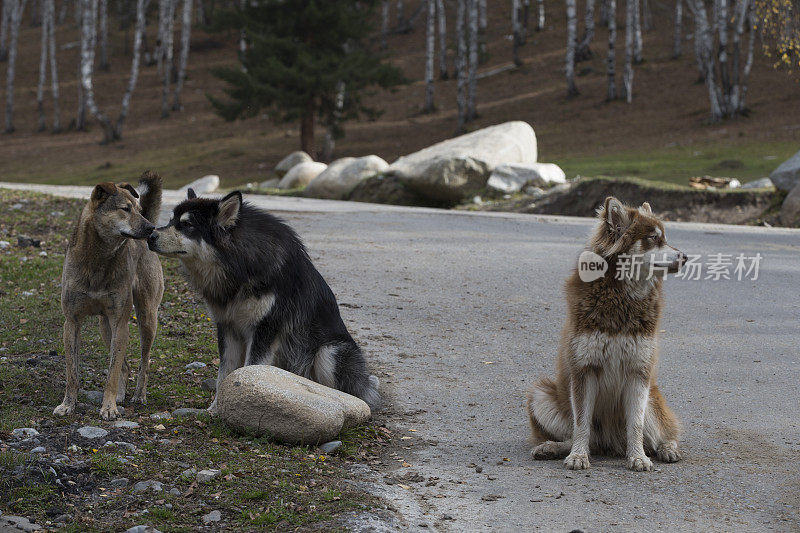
<point x="128" y="187"/>
<point x="190" y="194"/>
<point x="103" y="191"/>
<point x="616" y="216"/>
<point x="228" y="210"/>
<point x="645" y="209"/>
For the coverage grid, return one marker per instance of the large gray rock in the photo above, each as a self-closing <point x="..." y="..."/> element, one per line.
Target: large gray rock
<point x="790" y="209"/>
<point x="787" y="175"/>
<point x="290" y="161"/>
<point x="763" y="183"/>
<point x="512" y="177"/>
<point x="453" y="169"/>
<point x="343" y="175"/>
<point x="204" y="185"/>
<point x="266" y="400"/>
<point x="301" y="175"/>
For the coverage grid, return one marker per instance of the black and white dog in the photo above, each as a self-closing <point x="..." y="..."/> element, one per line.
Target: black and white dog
<point x="269" y="303"/>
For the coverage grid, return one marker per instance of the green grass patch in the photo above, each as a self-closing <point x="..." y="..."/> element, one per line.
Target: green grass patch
<point x="745" y="162"/>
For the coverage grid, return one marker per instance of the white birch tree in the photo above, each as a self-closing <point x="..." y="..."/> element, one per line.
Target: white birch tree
<point x="540" y="15"/>
<point x="677" y="45"/>
<point x="18" y="8"/>
<point x="334" y="131"/>
<point x="572" y="30"/>
<point x="611" y="93"/>
<point x="430" y="48"/>
<point x="483" y="20"/>
<point x="42" y="125"/>
<point x="516" y="32"/>
<point x="50" y="15"/>
<point x="186" y="30"/>
<point x="138" y="38"/>
<point x="627" y="75"/>
<point x="472" y="85"/>
<point x="441" y="17"/>
<point x="584" y="51"/>
<point x="103" y="35"/>
<point x="166" y="51"/>
<point x="461" y="64"/>
<point x="385" y="5"/>
<point x="637" y="32"/>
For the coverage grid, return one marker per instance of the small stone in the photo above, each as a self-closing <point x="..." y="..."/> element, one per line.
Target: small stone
<point x="4" y="245"/>
<point x="204" y="476"/>
<point x="72" y="448"/>
<point x="144" y="486"/>
<point x="57" y="213"/>
<point x="189" y="473"/>
<point x="195" y="365"/>
<point x="22" y="523"/>
<point x="94" y="396"/>
<point x="163" y="415"/>
<point x="24" y="433"/>
<point x="119" y="483"/>
<point x="39" y="449"/>
<point x="159" y="427"/>
<point x="330" y="447"/>
<point x="126" y="424"/>
<point x="142" y="529"/>
<point x="42" y="254"/>
<point x="16" y="206"/>
<point x="125" y="445"/>
<point x="213" y="516"/>
<point x="209" y="384"/>
<point x="174" y="492"/>
<point x="27" y="294"/>
<point x="92" y="432"/>
<point x="187" y="411"/>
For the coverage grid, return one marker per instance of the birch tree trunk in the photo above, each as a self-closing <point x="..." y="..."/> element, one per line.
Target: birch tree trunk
<point x="5" y="20"/>
<point x="584" y="52"/>
<point x="384" y="24"/>
<point x="88" y="43"/>
<point x="333" y="127"/>
<point x="186" y="30"/>
<point x="572" y="30"/>
<point x="483" y="20"/>
<point x="540" y="17"/>
<point x="751" y="22"/>
<point x="602" y="18"/>
<point x="516" y="29"/>
<point x="401" y="14"/>
<point x="705" y="44"/>
<point x="526" y="12"/>
<point x="430" y="49"/>
<point x="612" y="50"/>
<point x="722" y="54"/>
<point x="138" y="37"/>
<point x="627" y="75"/>
<point x="472" y="85"/>
<point x="103" y="35"/>
<point x="461" y="64"/>
<point x="167" y="55"/>
<point x="637" y="33"/>
<point x="647" y="15"/>
<point x="50" y="15"/>
<point x="42" y="73"/>
<point x="442" y="19"/>
<point x="18" y="7"/>
<point x="676" y="36"/>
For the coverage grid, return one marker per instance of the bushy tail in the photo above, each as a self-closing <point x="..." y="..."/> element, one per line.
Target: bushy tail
<point x="150" y="195"/>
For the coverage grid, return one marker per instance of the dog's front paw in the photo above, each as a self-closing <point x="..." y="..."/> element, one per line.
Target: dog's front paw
<point x="577" y="461"/>
<point x="668" y="452"/>
<point x="640" y="463"/>
<point x="109" y="412"/>
<point x="64" y="409"/>
<point x="547" y="450"/>
<point x="139" y="397"/>
<point x="213" y="410"/>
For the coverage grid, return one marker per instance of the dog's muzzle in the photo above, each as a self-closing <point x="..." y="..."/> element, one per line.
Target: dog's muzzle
<point x="145" y="232"/>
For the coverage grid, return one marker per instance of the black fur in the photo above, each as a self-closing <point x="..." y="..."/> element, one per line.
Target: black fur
<point x="261" y="255"/>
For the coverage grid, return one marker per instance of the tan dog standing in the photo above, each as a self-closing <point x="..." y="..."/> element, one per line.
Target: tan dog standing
<point x="605" y="397"/>
<point x="107" y="270"/>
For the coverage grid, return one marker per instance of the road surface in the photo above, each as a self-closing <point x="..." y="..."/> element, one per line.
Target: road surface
<point x="460" y="312"/>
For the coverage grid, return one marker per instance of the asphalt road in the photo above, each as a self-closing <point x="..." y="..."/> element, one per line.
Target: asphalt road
<point x="459" y="313"/>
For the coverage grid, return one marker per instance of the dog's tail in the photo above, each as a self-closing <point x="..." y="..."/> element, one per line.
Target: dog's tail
<point x="150" y="195"/>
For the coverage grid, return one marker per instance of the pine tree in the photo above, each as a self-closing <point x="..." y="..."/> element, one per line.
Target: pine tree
<point x="298" y="53"/>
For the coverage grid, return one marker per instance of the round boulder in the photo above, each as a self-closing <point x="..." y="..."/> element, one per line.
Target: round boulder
<point x="301" y="175"/>
<point x="290" y="161"/>
<point x="266" y="400"/>
<point x="787" y="175"/>
<point x="511" y="177"/>
<point x="343" y="175"/>
<point x="204" y="185"/>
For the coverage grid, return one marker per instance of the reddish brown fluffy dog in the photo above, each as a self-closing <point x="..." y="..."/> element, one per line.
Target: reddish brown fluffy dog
<point x="604" y="397"/>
